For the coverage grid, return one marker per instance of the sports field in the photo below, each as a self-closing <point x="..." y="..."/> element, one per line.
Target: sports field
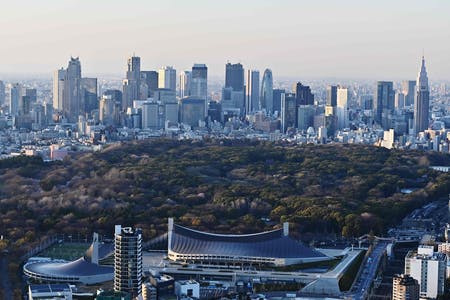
<point x="67" y="251"/>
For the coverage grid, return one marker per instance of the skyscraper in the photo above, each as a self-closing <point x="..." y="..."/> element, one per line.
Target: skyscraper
<point x="71" y="104"/>
<point x="343" y="96"/>
<point x="234" y="76"/>
<point x="266" y="96"/>
<point x="89" y="95"/>
<point x="150" y="78"/>
<point x="192" y="110"/>
<point x="58" y="88"/>
<point x="128" y="260"/>
<point x="277" y="99"/>
<point x="332" y="95"/>
<point x="408" y="89"/>
<point x="422" y="100"/>
<point x="383" y="103"/>
<point x="185" y="84"/>
<point x="288" y="111"/>
<point x="233" y="94"/>
<point x="2" y="93"/>
<point x="303" y="94"/>
<point x="15" y="97"/>
<point x="199" y="81"/>
<point x="167" y="78"/>
<point x="132" y="83"/>
<point x="252" y="92"/>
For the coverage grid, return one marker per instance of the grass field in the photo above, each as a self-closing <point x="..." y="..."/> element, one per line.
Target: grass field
<point x="67" y="251"/>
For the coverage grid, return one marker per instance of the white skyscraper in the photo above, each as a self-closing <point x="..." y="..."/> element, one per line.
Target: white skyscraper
<point x="58" y="88"/>
<point x="252" y="92"/>
<point x="343" y="97"/>
<point x="167" y="78"/>
<point x="185" y="84"/>
<point x="429" y="269"/>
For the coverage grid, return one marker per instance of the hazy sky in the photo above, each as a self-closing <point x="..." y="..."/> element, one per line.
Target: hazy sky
<point x="331" y="38"/>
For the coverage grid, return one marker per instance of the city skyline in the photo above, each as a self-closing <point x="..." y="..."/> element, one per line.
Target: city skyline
<point x="293" y="38"/>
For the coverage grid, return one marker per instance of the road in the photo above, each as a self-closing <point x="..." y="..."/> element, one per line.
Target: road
<point x="4" y="279"/>
<point x="369" y="271"/>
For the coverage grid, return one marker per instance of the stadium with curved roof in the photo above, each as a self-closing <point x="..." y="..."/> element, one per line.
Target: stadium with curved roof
<point x="274" y="247"/>
<point x="85" y="270"/>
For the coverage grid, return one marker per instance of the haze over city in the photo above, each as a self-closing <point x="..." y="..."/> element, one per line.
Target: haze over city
<point x="206" y="150"/>
<point x="343" y="39"/>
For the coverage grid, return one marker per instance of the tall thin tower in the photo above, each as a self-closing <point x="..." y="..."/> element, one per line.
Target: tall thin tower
<point x="128" y="260"/>
<point x="422" y="100"/>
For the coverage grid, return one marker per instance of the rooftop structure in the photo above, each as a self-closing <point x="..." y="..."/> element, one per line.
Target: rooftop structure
<point x="85" y="270"/>
<point x="49" y="291"/>
<point x="272" y="247"/>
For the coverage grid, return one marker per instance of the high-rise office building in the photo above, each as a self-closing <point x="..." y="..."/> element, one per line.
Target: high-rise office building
<point x="15" y="98"/>
<point x="383" y="103"/>
<point x="408" y="89"/>
<point x="404" y="287"/>
<point x="89" y="95"/>
<point x="199" y="81"/>
<point x="305" y="116"/>
<point x="399" y="100"/>
<point x="132" y="83"/>
<point x="108" y="113"/>
<point x="72" y="99"/>
<point x="116" y="95"/>
<point x="421" y="100"/>
<point x="2" y="93"/>
<point x="150" y="115"/>
<point x="277" y="99"/>
<point x="185" y="84"/>
<point x="167" y="78"/>
<point x="288" y="111"/>
<point x="342" y="99"/>
<point x="266" y="96"/>
<point x="332" y="95"/>
<point x="128" y="260"/>
<point x="150" y="78"/>
<point x="303" y="94"/>
<point x="252" y="92"/>
<point x="58" y="88"/>
<point x="234" y="76"/>
<point x="429" y="269"/>
<point x="192" y="111"/>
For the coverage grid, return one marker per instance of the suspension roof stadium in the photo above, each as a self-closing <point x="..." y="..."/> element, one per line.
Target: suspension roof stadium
<point x="274" y="247"/>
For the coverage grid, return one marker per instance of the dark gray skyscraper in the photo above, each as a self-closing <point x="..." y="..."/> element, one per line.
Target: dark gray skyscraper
<point x="422" y="100"/>
<point x="409" y="89"/>
<point x="303" y="94"/>
<point x="128" y="260"/>
<point x="277" y="99"/>
<point x="151" y="80"/>
<point x="72" y="99"/>
<point x="199" y="81"/>
<point x="266" y="96"/>
<point x="252" y="92"/>
<point x="234" y="76"/>
<point x="383" y="103"/>
<point x="89" y="94"/>
<point x="332" y="95"/>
